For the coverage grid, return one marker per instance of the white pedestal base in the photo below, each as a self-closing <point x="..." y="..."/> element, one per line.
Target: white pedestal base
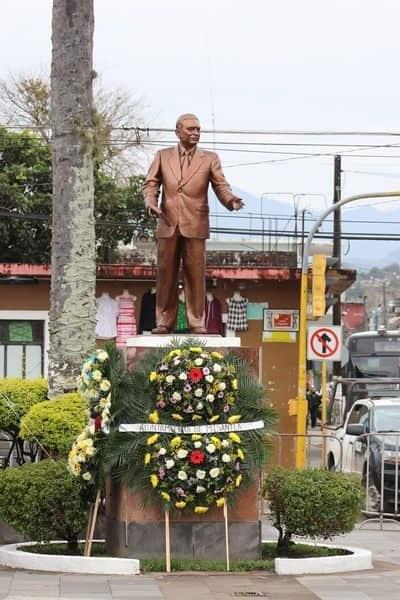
<point x="156" y="341"/>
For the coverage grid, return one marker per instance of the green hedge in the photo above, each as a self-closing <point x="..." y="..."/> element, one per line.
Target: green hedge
<point x="312" y="502"/>
<point x="43" y="501"/>
<point x="16" y="398"/>
<point x="55" y="423"/>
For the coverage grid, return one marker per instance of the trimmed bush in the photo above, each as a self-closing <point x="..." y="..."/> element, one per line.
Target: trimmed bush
<point x="43" y="501"/>
<point x="312" y="503"/>
<point x="55" y="423"/>
<point x="16" y="398"/>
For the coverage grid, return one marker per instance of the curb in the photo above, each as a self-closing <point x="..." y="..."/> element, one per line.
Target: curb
<point x="359" y="560"/>
<point x="10" y="556"/>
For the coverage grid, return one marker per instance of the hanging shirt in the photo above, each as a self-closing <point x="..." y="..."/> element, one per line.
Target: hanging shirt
<point x="147" y="320"/>
<point x="106" y="317"/>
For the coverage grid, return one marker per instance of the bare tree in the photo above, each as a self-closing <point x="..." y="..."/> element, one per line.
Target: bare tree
<point x="25" y="102"/>
<point x="73" y="280"/>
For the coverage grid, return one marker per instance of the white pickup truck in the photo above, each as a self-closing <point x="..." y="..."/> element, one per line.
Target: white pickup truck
<point x="368" y="443"/>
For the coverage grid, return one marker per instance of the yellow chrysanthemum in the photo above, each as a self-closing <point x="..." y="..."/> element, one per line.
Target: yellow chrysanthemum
<point x="234" y="419"/>
<point x="213" y="419"/>
<point x="234" y="437"/>
<point x="153" y="376"/>
<point x="196" y="437"/>
<point x="177" y="417"/>
<point x="220" y="502"/>
<point x="197" y="418"/>
<point x="195" y="349"/>
<point x="216" y="441"/>
<point x="152" y="439"/>
<point x="175" y="352"/>
<point x="165" y="496"/>
<point x="180" y="504"/>
<point x="175" y="442"/>
<point x="240" y="453"/>
<point x="147" y="458"/>
<point x="154" y="480"/>
<point x="234" y="384"/>
<point x="153" y="417"/>
<point x="200" y="510"/>
<point x="238" y="480"/>
<point x="217" y="355"/>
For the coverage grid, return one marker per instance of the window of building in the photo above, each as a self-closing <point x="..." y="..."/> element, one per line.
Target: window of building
<point x="22" y="348"/>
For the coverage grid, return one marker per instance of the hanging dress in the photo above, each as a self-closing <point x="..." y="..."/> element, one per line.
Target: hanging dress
<point x="237" y="314"/>
<point x="106" y="317"/>
<point x="213" y="316"/>
<point x="126" y="320"/>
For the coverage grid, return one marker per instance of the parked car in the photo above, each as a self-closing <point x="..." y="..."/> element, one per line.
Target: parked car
<point x="368" y="442"/>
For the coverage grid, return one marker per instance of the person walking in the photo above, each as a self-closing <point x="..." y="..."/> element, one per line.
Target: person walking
<point x="184" y="173"/>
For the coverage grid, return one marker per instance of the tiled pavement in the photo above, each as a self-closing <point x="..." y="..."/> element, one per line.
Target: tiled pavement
<point x="383" y="582"/>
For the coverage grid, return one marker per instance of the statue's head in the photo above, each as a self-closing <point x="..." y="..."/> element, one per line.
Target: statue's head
<point x="188" y="130"/>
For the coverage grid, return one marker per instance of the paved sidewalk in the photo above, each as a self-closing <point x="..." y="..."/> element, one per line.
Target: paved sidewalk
<point x="381" y="582"/>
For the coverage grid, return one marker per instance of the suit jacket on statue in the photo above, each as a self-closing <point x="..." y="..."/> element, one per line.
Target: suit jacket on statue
<point x="185" y="202"/>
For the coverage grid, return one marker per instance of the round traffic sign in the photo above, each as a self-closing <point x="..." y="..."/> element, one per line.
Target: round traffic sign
<point x="324" y="342"/>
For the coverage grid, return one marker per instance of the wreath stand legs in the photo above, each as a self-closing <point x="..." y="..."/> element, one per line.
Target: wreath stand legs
<point x="226" y="535"/>
<point x="94" y="508"/>
<point x="167" y="543"/>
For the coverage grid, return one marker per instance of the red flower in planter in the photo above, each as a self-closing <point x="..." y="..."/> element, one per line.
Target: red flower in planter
<point x="195" y="374"/>
<point x="197" y="457"/>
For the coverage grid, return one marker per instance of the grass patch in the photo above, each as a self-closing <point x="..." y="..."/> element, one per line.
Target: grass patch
<point x="268" y="551"/>
<point x="157" y="565"/>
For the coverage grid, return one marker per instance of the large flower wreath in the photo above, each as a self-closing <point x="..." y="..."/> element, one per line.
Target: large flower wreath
<point x="95" y="386"/>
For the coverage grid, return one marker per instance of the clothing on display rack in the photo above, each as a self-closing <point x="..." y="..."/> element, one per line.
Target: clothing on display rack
<point x="126" y="319"/>
<point x="213" y="320"/>
<point x="106" y="316"/>
<point x="237" y="313"/>
<point x="181" y="318"/>
<point x="147" y="320"/>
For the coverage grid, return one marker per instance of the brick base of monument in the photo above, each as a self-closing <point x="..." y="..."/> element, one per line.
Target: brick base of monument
<point x="135" y="529"/>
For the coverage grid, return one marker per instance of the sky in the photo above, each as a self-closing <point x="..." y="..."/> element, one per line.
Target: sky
<point x="259" y="65"/>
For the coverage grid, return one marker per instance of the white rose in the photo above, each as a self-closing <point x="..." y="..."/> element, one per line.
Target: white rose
<point x="199" y="406"/>
<point x="214" y="472"/>
<point x="221" y="386"/>
<point x="182" y="453"/>
<point x="97" y="376"/>
<point x="101" y="355"/>
<point x="217" y="368"/>
<point x="209" y="378"/>
<point x="183" y="376"/>
<point x="169" y="378"/>
<point x="200" y="489"/>
<point x="210" y="448"/>
<point x="226" y="458"/>
<point x="162" y="451"/>
<point x="87" y="476"/>
<point x="176" y="396"/>
<point x="198" y="392"/>
<point x="225" y="443"/>
<point x="169" y="463"/>
<point x="198" y="361"/>
<point x="210" y="397"/>
<point x="182" y="475"/>
<point x="176" y="361"/>
<point x="197" y="444"/>
<point x="105" y="385"/>
<point x="200" y="474"/>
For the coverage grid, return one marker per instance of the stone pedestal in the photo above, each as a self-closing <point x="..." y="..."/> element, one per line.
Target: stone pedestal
<point x="136" y="529"/>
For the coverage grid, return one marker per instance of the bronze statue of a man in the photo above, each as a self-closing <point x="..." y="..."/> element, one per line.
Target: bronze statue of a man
<point x="184" y="173"/>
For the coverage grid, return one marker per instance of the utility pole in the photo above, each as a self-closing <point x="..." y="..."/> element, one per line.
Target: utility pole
<point x="337" y="248"/>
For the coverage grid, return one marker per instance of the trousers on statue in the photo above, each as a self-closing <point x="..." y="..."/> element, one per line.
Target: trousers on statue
<point x="173" y="251"/>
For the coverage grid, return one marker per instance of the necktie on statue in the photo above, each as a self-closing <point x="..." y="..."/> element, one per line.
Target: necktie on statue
<point x="185" y="163"/>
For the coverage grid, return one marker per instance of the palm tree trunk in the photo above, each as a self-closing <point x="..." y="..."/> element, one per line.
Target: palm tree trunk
<point x="72" y="299"/>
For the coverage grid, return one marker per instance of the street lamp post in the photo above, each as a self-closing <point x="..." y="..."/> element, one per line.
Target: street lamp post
<point x="301" y="407"/>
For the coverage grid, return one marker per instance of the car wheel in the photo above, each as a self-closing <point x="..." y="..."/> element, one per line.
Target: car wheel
<point x="373" y="497"/>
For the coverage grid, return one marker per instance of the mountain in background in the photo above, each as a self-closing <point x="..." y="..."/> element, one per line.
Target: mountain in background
<point x="276" y="216"/>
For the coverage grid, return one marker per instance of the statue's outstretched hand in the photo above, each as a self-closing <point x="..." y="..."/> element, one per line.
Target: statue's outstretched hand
<point x="237" y="204"/>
